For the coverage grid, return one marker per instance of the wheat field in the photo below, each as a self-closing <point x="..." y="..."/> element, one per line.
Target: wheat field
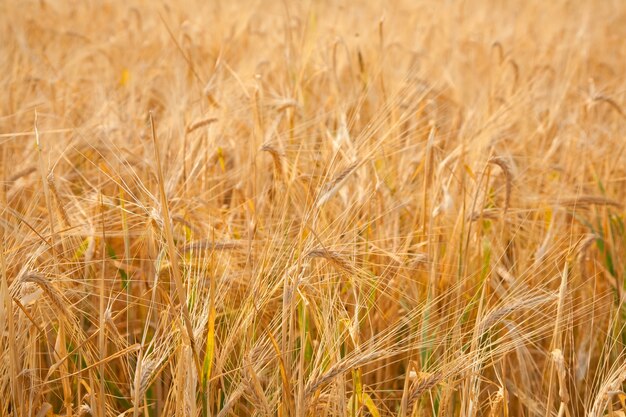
<point x="313" y="208"/>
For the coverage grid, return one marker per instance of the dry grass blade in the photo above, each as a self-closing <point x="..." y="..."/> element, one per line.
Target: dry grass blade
<point x="520" y="305"/>
<point x="336" y="183"/>
<point x="276" y="157"/>
<point x="173" y="255"/>
<point x="57" y="199"/>
<point x="611" y="103"/>
<point x="203" y="245"/>
<point x="505" y="165"/>
<point x="488" y="214"/>
<point x="54" y="295"/>
<point x="201" y="123"/>
<point x="423" y="384"/>
<point x="340" y="213"/>
<point x="22" y="173"/>
<point x="341" y="368"/>
<point x="334" y="257"/>
<point x="583" y="201"/>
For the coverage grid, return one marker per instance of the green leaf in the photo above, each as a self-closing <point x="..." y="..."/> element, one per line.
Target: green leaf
<point x="369" y="404"/>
